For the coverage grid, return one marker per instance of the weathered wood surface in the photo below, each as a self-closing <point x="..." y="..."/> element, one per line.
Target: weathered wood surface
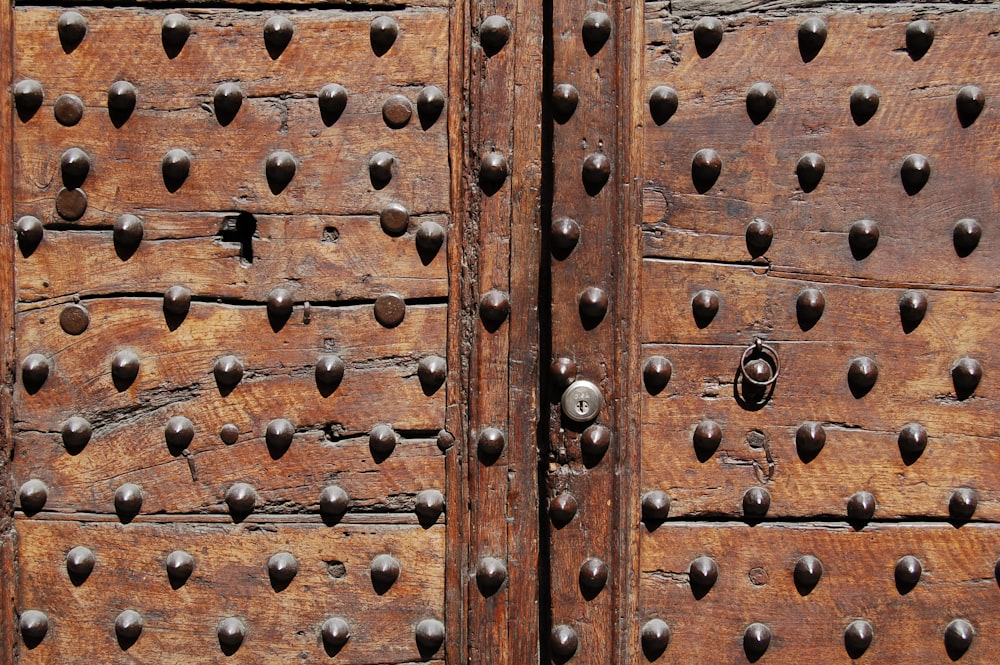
<point x="230" y="578"/>
<point x="755" y="584"/>
<point x="686" y="12"/>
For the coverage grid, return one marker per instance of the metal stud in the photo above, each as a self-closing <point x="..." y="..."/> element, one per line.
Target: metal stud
<point x="382" y="441"/>
<point x="28" y="97"/>
<point x="121" y="101"/>
<point x="397" y="111"/>
<point x="128" y="501"/>
<point x="858" y="637"/>
<point x="432" y="372"/>
<point x="969" y="103"/>
<point x="33" y="625"/>
<point x="862" y="375"/>
<point x="596" y="31"/>
<point x="812" y="36"/>
<point x="656" y="373"/>
<point x="228" y="100"/>
<point x="662" y="104"/>
<point x="966" y="235"/>
<point x="71" y="204"/>
<point x="593" y="576"/>
<point x="390" y="309"/>
<point x="708" y="33"/>
<point x="74" y="319"/>
<point x="958" y="638"/>
<point x="179" y="432"/>
<point x="428" y="505"/>
<point x="864" y="103"/>
<point x="809" y="306"/>
<point x="231" y="632"/>
<point x="706" y="438"/>
<point x="593" y="303"/>
<point x="491" y="573"/>
<point x="962" y="504"/>
<point x="863" y="238"/>
<point x="174" y="32"/>
<point x="383" y="32"/>
<point x="176" y="165"/>
<point x="74" y="166"/>
<point x="125" y="366"/>
<point x="703" y="573"/>
<point x="493" y="169"/>
<point x="29" y="233"/>
<point x="430" y="104"/>
<point x="655" y="638"/>
<point x="76" y="433"/>
<point x="445" y="440"/>
<point x="966" y="374"/>
<point x="494" y="307"/>
<point x="563" y="372"/>
<point x="241" y="499"/>
<point x="912" y="439"/>
<point x="761" y="99"/>
<point x="229" y="434"/>
<point x="594" y="443"/>
<point x="655" y="506"/>
<point x="179" y="565"/>
<point x="704" y="307"/>
<point x="807" y="573"/>
<point x="333" y="502"/>
<point x="280" y="303"/>
<point x="919" y="37"/>
<point x="72" y="28"/>
<point x="429" y="237"/>
<point x="384" y="571"/>
<point x="564" y="641"/>
<point x="279" y="168"/>
<point x="907" y="572"/>
<point x="914" y="172"/>
<point x="565" y="234"/>
<point x="177" y="300"/>
<point x="329" y="371"/>
<point x="68" y="110"/>
<point x="228" y="371"/>
<point x="336" y="632"/>
<point x="596" y="171"/>
<point x="756" y="502"/>
<point x="127" y="234"/>
<point x="34" y="371"/>
<point x="494" y="33"/>
<point x="491" y="442"/>
<point x="565" y="98"/>
<point x="562" y="508"/>
<point x="759" y="235"/>
<point x="282" y="568"/>
<point x="809" y="170"/>
<point x="756" y="640"/>
<point x="80" y="563"/>
<point x="332" y="99"/>
<point x="861" y="507"/>
<point x="128" y="626"/>
<point x="912" y="308"/>
<point x="429" y="635"/>
<point x="278" y="31"/>
<point x="380" y="169"/>
<point x="278" y="436"/>
<point x="705" y="169"/>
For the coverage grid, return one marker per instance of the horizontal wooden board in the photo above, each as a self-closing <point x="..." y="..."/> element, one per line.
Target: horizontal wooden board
<point x="755" y="584"/>
<point x="230" y="579"/>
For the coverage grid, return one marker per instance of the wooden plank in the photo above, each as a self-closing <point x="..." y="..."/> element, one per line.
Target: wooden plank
<point x="755" y="584"/>
<point x="230" y="578"/>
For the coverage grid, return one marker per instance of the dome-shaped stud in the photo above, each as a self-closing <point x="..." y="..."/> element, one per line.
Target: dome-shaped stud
<point x="706" y="438"/>
<point x="912" y="440"/>
<point x="336" y="632"/>
<point x="656" y="373"/>
<point x="178" y="433"/>
<point x="563" y="641"/>
<point x="494" y="33"/>
<point x="278" y="32"/>
<point x="33" y="626"/>
<point x="966" y="374"/>
<point x="332" y="100"/>
<point x="71" y="204"/>
<point x="562" y="372"/>
<point x="907" y="572"/>
<point x="429" y="237"/>
<point x="68" y="110"/>
<point x="663" y="103"/>
<point x="334" y="502"/>
<point x="493" y="169"/>
<point x="761" y="98"/>
<point x="430" y="104"/>
<point x="397" y="111"/>
<point x="704" y="307"/>
<point x="812" y="35"/>
<point x="241" y="499"/>
<point x="228" y="100"/>
<point x="494" y="307"/>
<point x="862" y="375"/>
<point x="33" y="494"/>
<point x="28" y="97"/>
<point x="128" y="626"/>
<point x="282" y="568"/>
<point x="759" y="235"/>
<point x="229" y="434"/>
<point x="756" y="502"/>
<point x="807" y="573"/>
<point x="858" y="637"/>
<point x="594" y="443"/>
<point x="593" y="576"/>
<point x="809" y="306"/>
<point x="655" y="506"/>
<point x="491" y="573"/>
<point x="177" y="300"/>
<point x="919" y="37"/>
<point x="912" y="308"/>
<point x="384" y="570"/>
<point x="969" y="103"/>
<point x="380" y="169"/>
<point x="966" y="234"/>
<point x="429" y="635"/>
<point x="963" y="503"/>
<point x="958" y="638"/>
<point x="593" y="303"/>
<point x="280" y="303"/>
<point x="29" y="231"/>
<point x="80" y="562"/>
<point x="279" y="168"/>
<point x="705" y="169"/>
<point x="758" y="370"/>
<point x="596" y="30"/>
<point x="231" y="632"/>
<point x="862" y="237"/>
<point x="655" y="638"/>
<point x="565" y="235"/>
<point x="703" y="573"/>
<point x="428" y="505"/>
<point x="278" y="436"/>
<point x="329" y="371"/>
<point x="34" y="371"/>
<point x="491" y="442"/>
<point x="122" y="98"/>
<point x="74" y="319"/>
<point x="72" y="28"/>
<point x="563" y="508"/>
<point x="809" y="170"/>
<point x="383" y="32"/>
<point x="861" y="507"/>
<point x="565" y="98"/>
<point x="125" y="366"/>
<point x="127" y="234"/>
<point x="174" y="32"/>
<point x="864" y="103"/>
<point x="708" y="33"/>
<point x="390" y="310"/>
<point x="76" y="433"/>
<point x="228" y="371"/>
<point x="382" y="441"/>
<point x="914" y="172"/>
<point x="75" y="167"/>
<point x="596" y="171"/>
<point x="128" y="501"/>
<point x="179" y="566"/>
<point x="432" y="372"/>
<point x="395" y="219"/>
<point x="176" y="165"/>
<point x="756" y="640"/>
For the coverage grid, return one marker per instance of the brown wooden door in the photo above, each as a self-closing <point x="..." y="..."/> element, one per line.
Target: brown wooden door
<point x="500" y="332"/>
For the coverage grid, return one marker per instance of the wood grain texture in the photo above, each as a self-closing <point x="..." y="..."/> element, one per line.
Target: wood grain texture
<point x="230" y="579"/>
<point x="755" y="583"/>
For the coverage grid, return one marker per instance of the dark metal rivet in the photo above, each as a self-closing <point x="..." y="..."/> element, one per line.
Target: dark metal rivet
<point x="390" y="309"/>
<point x="655" y="638"/>
<point x="962" y="504"/>
<point x="128" y="626"/>
<point x="74" y="319"/>
<point x="491" y="573"/>
<point x="810" y="438"/>
<point x="180" y="566"/>
<point x="756" y="502"/>
<point x="662" y="103"/>
<point x="761" y="99"/>
<point x="231" y="633"/>
<point x="280" y="303"/>
<point x="593" y="303"/>
<point x="125" y="366"/>
<point x="75" y="166"/>
<point x="969" y="103"/>
<point x="564" y="641"/>
<point x="174" y="32"/>
<point x="565" y="234"/>
<point x="332" y="99"/>
<point x="177" y="300"/>
<point x="858" y="637"/>
<point x="704" y="307"/>
<point x="241" y="499"/>
<point x="912" y="439"/>
<point x="758" y="372"/>
<point x="33" y="625"/>
<point x="493" y="169"/>
<point x="395" y="219"/>
<point x="756" y="640"/>
<point x="562" y="509"/>
<point x="596" y="31"/>
<point x="380" y="169"/>
<point x="708" y="33"/>
<point x="333" y="501"/>
<point x="382" y="441"/>
<point x="278" y="436"/>
<point x="278" y="31"/>
<point x="397" y="111"/>
<point x="655" y="506"/>
<point x="384" y="572"/>
<point x="71" y="204"/>
<point x="862" y="375"/>
<point x="494" y="33"/>
<point x="429" y="635"/>
<point x="705" y="169"/>
<point x="430" y="104"/>
<point x="807" y="573"/>
<point x="809" y="306"/>
<point x="128" y="501"/>
<point x="907" y="572"/>
<point x="562" y="372"/>
<point x="176" y="166"/>
<point x="329" y="371"/>
<point x="912" y="307"/>
<point x="383" y="32"/>
<point x="594" y="443"/>
<point x="494" y="307"/>
<point x="80" y="563"/>
<point x="593" y="576"/>
<point x="919" y="37"/>
<point x="432" y="372"/>
<point x="864" y="103"/>
<point x="703" y="573"/>
<point x="812" y="36"/>
<point x="491" y="442"/>
<point x="336" y="632"/>
<point x="72" y="28"/>
<point x="28" y="97"/>
<point x="279" y="168"/>
<point x="706" y="438"/>
<point x="34" y="371"/>
<point x="863" y="237"/>
<point x="966" y="374"/>
<point x="228" y="371"/>
<point x="229" y="434"/>
<point x="596" y="171"/>
<point x="759" y="235"/>
<point x="121" y="100"/>
<point x="33" y="495"/>
<point x="430" y="236"/>
<point x="76" y="433"/>
<point x="565" y="98"/>
<point x="282" y="568"/>
<point x="861" y="507"/>
<point x="958" y="638"/>
<point x="127" y="234"/>
<point x="445" y="440"/>
<point x="656" y="373"/>
<point x="428" y="505"/>
<point x="228" y="100"/>
<point x="809" y="170"/>
<point x="68" y="110"/>
<point x="914" y="172"/>
<point x="29" y="233"/>
<point x="966" y="235"/>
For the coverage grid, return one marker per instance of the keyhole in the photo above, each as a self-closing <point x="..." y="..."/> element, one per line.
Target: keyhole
<point x="582" y="406"/>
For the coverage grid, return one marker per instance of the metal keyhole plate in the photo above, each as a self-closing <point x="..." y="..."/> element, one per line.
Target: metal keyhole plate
<point x="582" y="401"/>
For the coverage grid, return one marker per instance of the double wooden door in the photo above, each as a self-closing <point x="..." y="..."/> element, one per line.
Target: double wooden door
<point x="500" y="332"/>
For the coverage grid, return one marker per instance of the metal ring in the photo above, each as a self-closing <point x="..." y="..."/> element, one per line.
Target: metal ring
<point x="759" y="348"/>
